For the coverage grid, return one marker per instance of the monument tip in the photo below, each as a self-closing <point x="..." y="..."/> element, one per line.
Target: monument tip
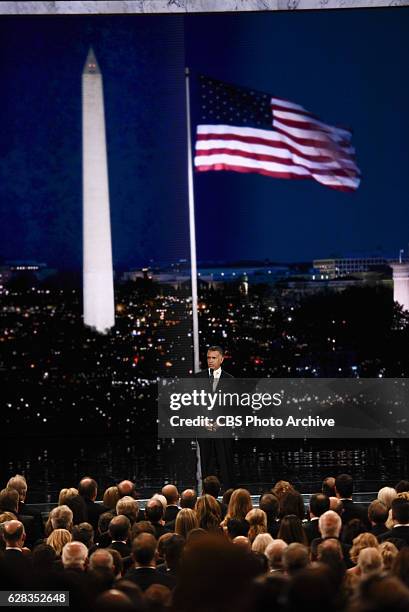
<point x="91" y="64"/>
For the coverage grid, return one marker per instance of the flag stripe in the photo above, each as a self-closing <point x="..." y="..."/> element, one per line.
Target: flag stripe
<point x="267" y="138"/>
<point x="273" y="167"/>
<point x="300" y="121"/>
<point x="316" y="168"/>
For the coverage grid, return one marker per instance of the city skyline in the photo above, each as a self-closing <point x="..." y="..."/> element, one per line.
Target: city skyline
<point x="144" y="89"/>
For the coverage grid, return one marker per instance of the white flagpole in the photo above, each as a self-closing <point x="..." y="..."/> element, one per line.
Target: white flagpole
<point x="192" y="232"/>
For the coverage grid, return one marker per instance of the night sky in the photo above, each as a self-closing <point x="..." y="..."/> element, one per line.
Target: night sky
<point x="348" y="67"/>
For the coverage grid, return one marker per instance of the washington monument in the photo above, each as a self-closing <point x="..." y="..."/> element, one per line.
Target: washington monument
<point x="98" y="282"/>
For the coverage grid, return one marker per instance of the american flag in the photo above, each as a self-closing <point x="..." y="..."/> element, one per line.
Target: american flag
<point x="249" y="131"/>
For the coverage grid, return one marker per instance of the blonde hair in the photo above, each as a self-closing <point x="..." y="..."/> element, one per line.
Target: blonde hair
<point x="258" y="523"/>
<point x="261" y="541"/>
<point x="363" y="540"/>
<point x="66" y="494"/>
<point x="386" y="495"/>
<point x="111" y="497"/>
<point x="369" y="561"/>
<point x="58" y="539"/>
<point x="388" y="552"/>
<point x="186" y="520"/>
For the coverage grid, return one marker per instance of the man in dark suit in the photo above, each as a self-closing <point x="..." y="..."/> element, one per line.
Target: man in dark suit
<point x="88" y="490"/>
<point x="377" y="514"/>
<point x="172" y="497"/>
<point x="144" y="573"/>
<point x="400" y="514"/>
<point x="344" y="486"/>
<point x="19" y="483"/>
<point x="319" y="503"/>
<point x="119" y="530"/>
<point x="216" y="455"/>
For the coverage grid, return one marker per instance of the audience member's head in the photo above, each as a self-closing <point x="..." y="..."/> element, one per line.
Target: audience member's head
<point x="291" y="530"/>
<point x="9" y="499"/>
<point x="60" y="517"/>
<point x="84" y="532"/>
<point x="103" y="521"/>
<point x="369" y="561"/>
<point x="240" y="504"/>
<point x="65" y="494"/>
<point x="328" y="486"/>
<point x="291" y="502"/>
<point x="330" y="524"/>
<point x="281" y="487"/>
<point x="154" y="511"/>
<point x="344" y="486"/>
<point x="188" y="499"/>
<point x="74" y="555"/>
<point x="274" y="553"/>
<point x="211" y="486"/>
<point x="260" y="542"/>
<point x="88" y="488"/>
<point x="101" y="559"/>
<point x="186" y="520"/>
<point x="386" y="495"/>
<point x="14" y="534"/>
<point x="19" y="484"/>
<point x="400" y="510"/>
<point x="119" y="528"/>
<point x="144" y="550"/>
<point x="257" y="519"/>
<point x="171" y="494"/>
<point x="173" y="549"/>
<point x="388" y="552"/>
<point x="377" y="512"/>
<point x="111" y="497"/>
<point x="142" y="527"/>
<point x="127" y="488"/>
<point x="364" y="540"/>
<point x="402" y="486"/>
<point x="208" y="512"/>
<point x="270" y="504"/>
<point x="319" y="503"/>
<point x="57" y="539"/>
<point x="129" y="507"/>
<point x="295" y="557"/>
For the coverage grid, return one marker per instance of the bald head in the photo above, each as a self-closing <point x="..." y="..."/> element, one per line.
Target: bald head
<point x="88" y="488"/>
<point x="127" y="487"/>
<point x="119" y="527"/>
<point x="13" y="533"/>
<point x="243" y="542"/>
<point x="171" y="493"/>
<point x="101" y="558"/>
<point x="188" y="499"/>
<point x="330" y="524"/>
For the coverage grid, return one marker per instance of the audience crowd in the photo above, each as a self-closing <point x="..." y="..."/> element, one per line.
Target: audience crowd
<point x="213" y="552"/>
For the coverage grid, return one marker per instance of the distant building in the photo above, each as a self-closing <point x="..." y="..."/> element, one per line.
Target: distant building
<point x="346" y="266"/>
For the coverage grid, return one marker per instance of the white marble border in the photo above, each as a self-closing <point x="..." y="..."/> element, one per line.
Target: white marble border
<point x="182" y="6"/>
